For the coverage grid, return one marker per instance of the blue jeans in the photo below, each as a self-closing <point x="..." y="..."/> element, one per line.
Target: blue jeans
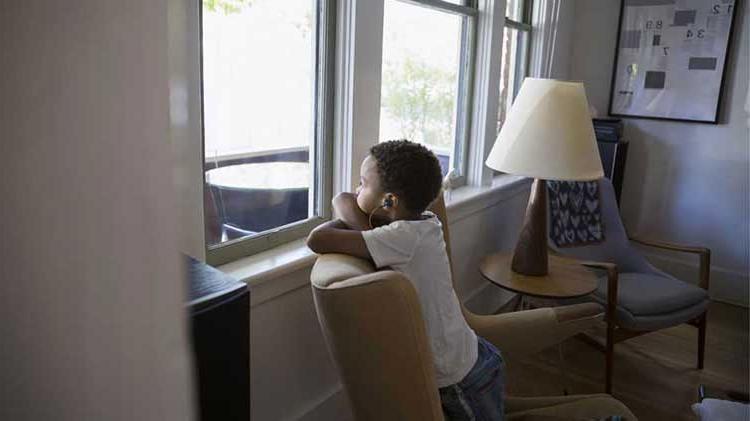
<point x="479" y="396"/>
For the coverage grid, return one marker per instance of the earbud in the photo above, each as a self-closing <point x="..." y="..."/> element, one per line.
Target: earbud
<point x="387" y="203"/>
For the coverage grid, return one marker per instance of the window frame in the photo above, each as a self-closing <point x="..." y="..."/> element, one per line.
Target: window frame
<point x="523" y="26"/>
<point x="469" y="12"/>
<point x="320" y="154"/>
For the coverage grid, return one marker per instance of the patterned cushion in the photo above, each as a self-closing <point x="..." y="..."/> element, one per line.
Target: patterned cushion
<point x="644" y="294"/>
<point x="575" y="213"/>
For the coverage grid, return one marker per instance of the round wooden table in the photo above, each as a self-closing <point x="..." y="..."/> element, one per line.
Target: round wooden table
<point x="566" y="278"/>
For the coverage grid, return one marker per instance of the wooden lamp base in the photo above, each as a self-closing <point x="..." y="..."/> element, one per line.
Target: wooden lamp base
<point x="530" y="257"/>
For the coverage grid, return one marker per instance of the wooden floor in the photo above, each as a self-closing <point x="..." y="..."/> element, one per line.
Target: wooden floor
<point x="654" y="374"/>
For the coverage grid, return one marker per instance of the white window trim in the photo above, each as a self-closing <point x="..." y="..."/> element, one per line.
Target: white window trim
<point x="490" y="26"/>
<point x="186" y="125"/>
<point x="544" y="21"/>
<point x="358" y="69"/>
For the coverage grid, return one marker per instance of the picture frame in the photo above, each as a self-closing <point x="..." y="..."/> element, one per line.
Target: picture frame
<point x="671" y="59"/>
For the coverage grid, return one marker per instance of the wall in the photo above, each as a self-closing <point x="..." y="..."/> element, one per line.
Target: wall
<point x="684" y="182"/>
<point x="91" y="295"/>
<point x="292" y="375"/>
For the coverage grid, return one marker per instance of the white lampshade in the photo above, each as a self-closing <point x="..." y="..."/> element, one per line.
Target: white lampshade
<point x="548" y="134"/>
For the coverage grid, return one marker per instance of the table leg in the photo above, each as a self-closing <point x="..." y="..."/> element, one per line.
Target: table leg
<point x="561" y="366"/>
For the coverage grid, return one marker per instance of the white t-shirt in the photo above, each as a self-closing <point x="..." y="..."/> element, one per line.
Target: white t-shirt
<point x="417" y="249"/>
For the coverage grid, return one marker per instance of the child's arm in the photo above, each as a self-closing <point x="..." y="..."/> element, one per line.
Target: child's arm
<point x="346" y="209"/>
<point x="336" y="237"/>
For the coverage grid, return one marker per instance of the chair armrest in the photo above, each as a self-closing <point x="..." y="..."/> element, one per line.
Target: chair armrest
<point x="612" y="285"/>
<point x="703" y="252"/>
<point x="670" y="246"/>
<point x="526" y="332"/>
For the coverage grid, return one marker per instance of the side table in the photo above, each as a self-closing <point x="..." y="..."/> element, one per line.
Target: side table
<point x="566" y="279"/>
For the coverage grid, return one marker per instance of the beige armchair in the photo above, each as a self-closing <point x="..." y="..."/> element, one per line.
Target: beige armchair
<point x="373" y="324"/>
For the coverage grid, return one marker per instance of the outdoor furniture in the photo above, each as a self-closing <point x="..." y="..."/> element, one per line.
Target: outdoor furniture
<point x="259" y="196"/>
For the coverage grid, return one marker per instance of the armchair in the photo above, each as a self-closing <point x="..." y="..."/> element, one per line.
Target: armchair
<point x="373" y="325"/>
<point x="638" y="297"/>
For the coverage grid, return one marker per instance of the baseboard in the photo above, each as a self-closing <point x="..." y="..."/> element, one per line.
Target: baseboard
<point x="725" y="285"/>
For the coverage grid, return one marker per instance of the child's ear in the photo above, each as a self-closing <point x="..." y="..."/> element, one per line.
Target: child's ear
<point x="390" y="201"/>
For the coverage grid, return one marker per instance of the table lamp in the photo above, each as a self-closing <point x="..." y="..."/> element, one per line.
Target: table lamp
<point x="547" y="135"/>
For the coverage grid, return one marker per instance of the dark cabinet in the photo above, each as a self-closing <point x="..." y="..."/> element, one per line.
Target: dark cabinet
<point x="219" y="308"/>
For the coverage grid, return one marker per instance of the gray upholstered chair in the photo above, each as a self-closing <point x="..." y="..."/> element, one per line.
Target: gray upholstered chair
<point x="638" y="297"/>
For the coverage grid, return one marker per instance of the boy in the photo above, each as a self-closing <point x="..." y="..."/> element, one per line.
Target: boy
<point x="399" y="180"/>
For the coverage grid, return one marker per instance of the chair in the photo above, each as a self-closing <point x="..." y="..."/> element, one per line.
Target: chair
<point x="638" y="297"/>
<point x="519" y="334"/>
<point x="372" y="322"/>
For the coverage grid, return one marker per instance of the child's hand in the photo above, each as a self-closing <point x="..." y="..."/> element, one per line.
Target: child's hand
<point x="344" y="201"/>
<point x="345" y="207"/>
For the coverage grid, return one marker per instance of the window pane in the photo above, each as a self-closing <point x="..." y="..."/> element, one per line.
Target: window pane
<point x="512" y="70"/>
<point x="258" y="94"/>
<point x="420" y="84"/>
<point x="514" y="10"/>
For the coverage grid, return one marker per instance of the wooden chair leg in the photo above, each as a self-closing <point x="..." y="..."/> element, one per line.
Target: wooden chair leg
<point x="701" y="340"/>
<point x="609" y="356"/>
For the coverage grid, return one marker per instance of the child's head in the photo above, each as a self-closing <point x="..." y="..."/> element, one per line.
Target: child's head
<point x="399" y="175"/>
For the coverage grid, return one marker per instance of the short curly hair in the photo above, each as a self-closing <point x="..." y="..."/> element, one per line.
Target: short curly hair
<point x="409" y="170"/>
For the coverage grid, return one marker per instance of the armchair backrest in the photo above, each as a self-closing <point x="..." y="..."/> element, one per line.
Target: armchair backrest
<point x="616" y="247"/>
<point x="372" y="322"/>
<point x="438" y="208"/>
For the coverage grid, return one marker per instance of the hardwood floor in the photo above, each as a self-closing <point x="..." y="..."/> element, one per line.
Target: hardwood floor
<point x="654" y="374"/>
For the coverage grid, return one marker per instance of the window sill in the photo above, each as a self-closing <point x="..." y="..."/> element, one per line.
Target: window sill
<point x="259" y="269"/>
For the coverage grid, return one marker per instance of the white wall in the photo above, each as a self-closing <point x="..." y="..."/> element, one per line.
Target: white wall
<point x="684" y="182"/>
<point x="292" y="375"/>
<point x="91" y="313"/>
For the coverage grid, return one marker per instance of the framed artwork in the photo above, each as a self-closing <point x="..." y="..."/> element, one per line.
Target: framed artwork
<point x="670" y="60"/>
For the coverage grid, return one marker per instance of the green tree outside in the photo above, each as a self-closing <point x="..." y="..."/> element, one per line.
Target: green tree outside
<point x="226" y="6"/>
<point x="420" y="98"/>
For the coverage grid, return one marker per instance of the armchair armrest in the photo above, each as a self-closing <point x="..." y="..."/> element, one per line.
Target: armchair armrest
<point x="612" y="285"/>
<point x="703" y="252"/>
<point x="526" y="332"/>
<point x="670" y="246"/>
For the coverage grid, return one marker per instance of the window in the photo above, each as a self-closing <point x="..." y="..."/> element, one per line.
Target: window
<point x="266" y="111"/>
<point x="426" y="76"/>
<point x="516" y="52"/>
